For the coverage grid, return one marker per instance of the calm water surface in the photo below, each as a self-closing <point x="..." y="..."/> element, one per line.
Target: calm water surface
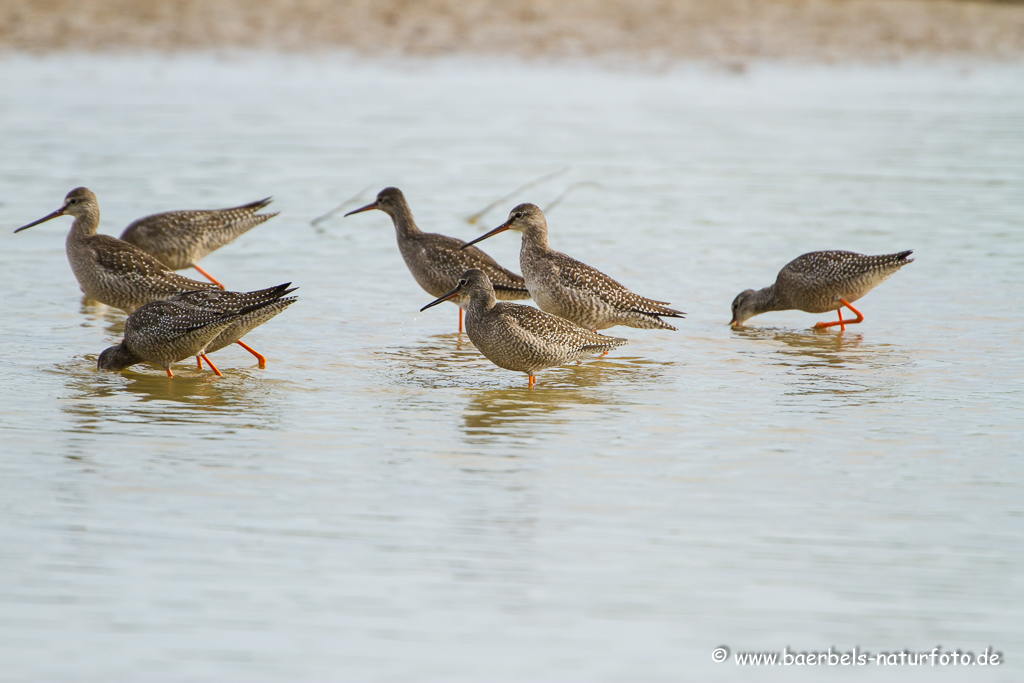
<point x="383" y="503"/>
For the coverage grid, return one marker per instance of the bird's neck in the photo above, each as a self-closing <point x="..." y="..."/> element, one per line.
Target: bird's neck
<point x="535" y="237"/>
<point x="481" y="303"/>
<point x="405" y="226"/>
<point x="84" y="226"/>
<point x="768" y="300"/>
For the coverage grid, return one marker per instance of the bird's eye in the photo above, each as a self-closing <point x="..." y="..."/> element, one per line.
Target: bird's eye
<point x="72" y="201"/>
<point x="463" y="281"/>
<point x="518" y="214"/>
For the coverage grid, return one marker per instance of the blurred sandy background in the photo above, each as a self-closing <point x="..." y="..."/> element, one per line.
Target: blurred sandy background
<point x="645" y="30"/>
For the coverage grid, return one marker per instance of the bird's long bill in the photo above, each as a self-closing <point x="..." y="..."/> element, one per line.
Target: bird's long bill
<point x="369" y="207"/>
<point x="58" y="212"/>
<point x="450" y="295"/>
<point x="501" y="228"/>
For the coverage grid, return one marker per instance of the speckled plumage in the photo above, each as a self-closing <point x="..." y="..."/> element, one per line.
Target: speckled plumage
<point x="522" y="338"/>
<point x="180" y="239"/>
<point x="438" y="261"/>
<point x="110" y="270"/>
<point x="819" y="281"/>
<point x="188" y="324"/>
<point x="571" y="289"/>
<point x="263" y="305"/>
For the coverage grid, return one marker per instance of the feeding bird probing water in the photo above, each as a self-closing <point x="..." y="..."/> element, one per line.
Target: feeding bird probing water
<point x="192" y="324"/>
<point x="818" y="282"/>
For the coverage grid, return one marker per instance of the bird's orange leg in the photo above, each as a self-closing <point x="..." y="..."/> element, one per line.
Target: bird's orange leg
<point x="199" y="362"/>
<point x="208" y="276"/>
<point x="260" y="358"/>
<point x="533" y="379"/>
<point x="460" y="319"/>
<point x="212" y="366"/>
<point x="842" y="323"/>
<point x="169" y="373"/>
<point x="860" y="316"/>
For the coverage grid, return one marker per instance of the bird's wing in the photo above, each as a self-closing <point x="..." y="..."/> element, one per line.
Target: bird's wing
<point x="449" y="250"/>
<point x="123" y="260"/>
<point x="545" y="327"/>
<point x="586" y="279"/>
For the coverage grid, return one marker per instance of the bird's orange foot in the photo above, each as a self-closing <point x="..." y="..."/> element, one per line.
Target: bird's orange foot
<point x="261" y="360"/>
<point x="842" y="323"/>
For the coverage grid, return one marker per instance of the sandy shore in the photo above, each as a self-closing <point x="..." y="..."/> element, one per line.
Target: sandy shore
<point x="646" y="30"/>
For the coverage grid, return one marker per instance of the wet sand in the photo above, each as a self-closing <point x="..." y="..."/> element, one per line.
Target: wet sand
<point x="640" y="30"/>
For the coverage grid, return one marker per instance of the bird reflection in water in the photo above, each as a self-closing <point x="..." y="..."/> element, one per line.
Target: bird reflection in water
<point x="843" y="366"/>
<point x="518" y="413"/>
<point x="119" y="402"/>
<point x="102" y="315"/>
<point x="437" y="360"/>
<point x="814" y="346"/>
<point x="452" y="360"/>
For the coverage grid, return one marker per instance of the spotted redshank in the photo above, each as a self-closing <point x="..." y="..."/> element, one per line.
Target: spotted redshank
<point x="180" y="239"/>
<point x="521" y="338"/>
<point x="570" y="289"/>
<point x="437" y="261"/>
<point x="818" y="282"/>
<point x="187" y="324"/>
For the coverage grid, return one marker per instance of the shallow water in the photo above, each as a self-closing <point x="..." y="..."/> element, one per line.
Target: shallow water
<point x="383" y="503"/>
